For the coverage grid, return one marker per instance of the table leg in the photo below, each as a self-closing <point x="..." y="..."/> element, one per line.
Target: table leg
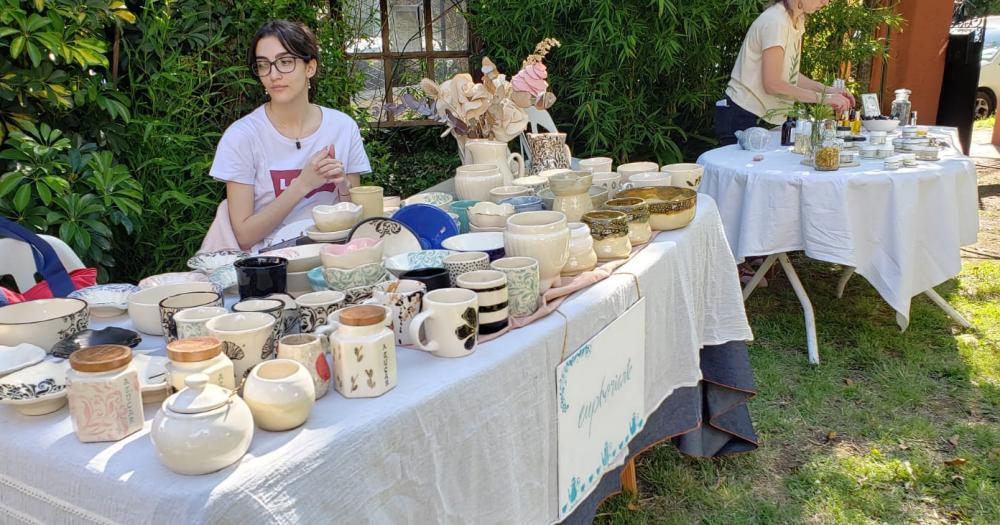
<point x="758" y="275"/>
<point x="629" y="482"/>
<point x="811" y="343"/>
<point x="953" y="313"/>
<point x="844" y="277"/>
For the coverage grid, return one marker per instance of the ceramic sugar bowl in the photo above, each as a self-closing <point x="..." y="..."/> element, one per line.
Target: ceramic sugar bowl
<point x="280" y="394"/>
<point x="201" y="429"/>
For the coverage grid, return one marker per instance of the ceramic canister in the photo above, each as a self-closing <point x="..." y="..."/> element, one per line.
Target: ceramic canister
<point x="450" y="321"/>
<point x="610" y="232"/>
<point x="105" y="403"/>
<point x="308" y="351"/>
<point x="280" y="394"/>
<point x="199" y="355"/>
<point x="404" y="298"/>
<point x="639" y="230"/>
<point x="364" y="352"/>
<point x="522" y="284"/>
<point x="315" y="306"/>
<point x="491" y="288"/>
<point x="247" y="339"/>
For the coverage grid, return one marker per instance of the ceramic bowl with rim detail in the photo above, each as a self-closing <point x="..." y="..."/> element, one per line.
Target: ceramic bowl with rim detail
<point x="404" y="262"/>
<point x="106" y="300"/>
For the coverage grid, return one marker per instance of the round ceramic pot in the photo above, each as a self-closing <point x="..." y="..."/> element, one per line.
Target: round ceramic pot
<point x="542" y="235"/>
<point x="572" y="196"/>
<point x="474" y="181"/>
<point x="669" y="208"/>
<point x="202" y="428"/>
<point x="637" y="211"/>
<point x="581" y="250"/>
<point x="610" y="232"/>
<point x="43" y="322"/>
<point x="280" y="394"/>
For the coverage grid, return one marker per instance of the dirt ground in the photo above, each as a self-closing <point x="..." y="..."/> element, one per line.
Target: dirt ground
<point x="988" y="170"/>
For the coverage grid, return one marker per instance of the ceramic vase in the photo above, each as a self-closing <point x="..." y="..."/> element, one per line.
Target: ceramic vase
<point x="482" y="151"/>
<point x="542" y="235"/>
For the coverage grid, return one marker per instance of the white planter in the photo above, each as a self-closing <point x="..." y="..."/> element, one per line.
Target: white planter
<point x="542" y="235"/>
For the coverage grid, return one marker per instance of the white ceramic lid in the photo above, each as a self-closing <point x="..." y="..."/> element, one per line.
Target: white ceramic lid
<point x="199" y="396"/>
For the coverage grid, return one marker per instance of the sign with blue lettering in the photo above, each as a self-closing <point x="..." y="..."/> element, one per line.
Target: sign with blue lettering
<point x="600" y="394"/>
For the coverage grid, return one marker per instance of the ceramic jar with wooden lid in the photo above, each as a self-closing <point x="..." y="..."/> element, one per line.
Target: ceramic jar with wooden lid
<point x="199" y="355"/>
<point x="364" y="352"/>
<point x="105" y="403"/>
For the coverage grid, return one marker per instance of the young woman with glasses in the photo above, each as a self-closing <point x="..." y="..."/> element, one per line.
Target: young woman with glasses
<point x="289" y="154"/>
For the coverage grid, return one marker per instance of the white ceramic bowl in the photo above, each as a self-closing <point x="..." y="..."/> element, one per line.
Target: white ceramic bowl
<point x="363" y="275"/>
<point x="352" y="254"/>
<point x="44" y="322"/>
<point x="300" y="258"/>
<point x="144" y="305"/>
<point x="490" y="215"/>
<point x="880" y="125"/>
<point x="404" y="262"/>
<point x="434" y="198"/>
<point x="505" y="192"/>
<point x="489" y="242"/>
<point x="173" y="278"/>
<point x="336" y="217"/>
<point x="210" y="261"/>
<point x="684" y="175"/>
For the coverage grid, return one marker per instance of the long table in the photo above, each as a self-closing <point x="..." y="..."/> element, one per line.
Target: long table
<point x="471" y="440"/>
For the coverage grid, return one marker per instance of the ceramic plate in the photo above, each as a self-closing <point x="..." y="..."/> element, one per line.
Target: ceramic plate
<point x="430" y="223"/>
<point x="37" y="389"/>
<point x="14" y="358"/>
<point x="111" y="335"/>
<point x="106" y="300"/>
<point x="398" y="237"/>
<point x="210" y="261"/>
<point x="405" y="262"/>
<point x="313" y="233"/>
<point x="152" y="372"/>
<point x="173" y="278"/>
<point x="433" y="198"/>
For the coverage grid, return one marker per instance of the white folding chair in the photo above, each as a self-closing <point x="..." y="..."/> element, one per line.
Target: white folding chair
<point x="19" y="263"/>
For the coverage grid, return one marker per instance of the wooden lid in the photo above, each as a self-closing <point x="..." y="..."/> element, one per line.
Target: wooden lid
<point x="100" y="358"/>
<point x="362" y="315"/>
<point x="194" y="349"/>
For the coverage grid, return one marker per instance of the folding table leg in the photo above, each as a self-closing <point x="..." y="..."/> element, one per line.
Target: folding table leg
<point x="811" y="343"/>
<point x="757" y="276"/>
<point x="629" y="482"/>
<point x="844" y="277"/>
<point x="953" y="313"/>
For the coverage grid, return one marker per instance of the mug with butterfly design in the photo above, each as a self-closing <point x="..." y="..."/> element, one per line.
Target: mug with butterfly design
<point x="248" y="338"/>
<point x="450" y="321"/>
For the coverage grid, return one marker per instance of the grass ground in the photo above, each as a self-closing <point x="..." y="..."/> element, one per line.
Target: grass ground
<point x="891" y="428"/>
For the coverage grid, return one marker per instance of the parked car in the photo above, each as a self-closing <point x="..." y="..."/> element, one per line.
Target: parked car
<point x="989" y="72"/>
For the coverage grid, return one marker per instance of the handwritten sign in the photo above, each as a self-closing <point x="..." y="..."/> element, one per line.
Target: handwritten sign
<point x="600" y="394"/>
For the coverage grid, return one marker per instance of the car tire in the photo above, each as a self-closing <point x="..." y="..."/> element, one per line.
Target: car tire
<point x="986" y="104"/>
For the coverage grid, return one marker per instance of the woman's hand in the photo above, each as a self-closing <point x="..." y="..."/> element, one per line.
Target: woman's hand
<point x="841" y="91"/>
<point x="321" y="169"/>
<point x="839" y="102"/>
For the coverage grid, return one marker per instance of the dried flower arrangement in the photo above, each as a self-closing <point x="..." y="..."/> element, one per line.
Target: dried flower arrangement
<point x="493" y="109"/>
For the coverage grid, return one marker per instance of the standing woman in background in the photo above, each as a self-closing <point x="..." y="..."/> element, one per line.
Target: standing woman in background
<point x="766" y="75"/>
<point x="287" y="155"/>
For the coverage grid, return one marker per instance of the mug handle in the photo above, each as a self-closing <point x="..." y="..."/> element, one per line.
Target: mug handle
<point x="520" y="164"/>
<point x="415" y="324"/>
<point x="627" y="185"/>
<point x="324" y="331"/>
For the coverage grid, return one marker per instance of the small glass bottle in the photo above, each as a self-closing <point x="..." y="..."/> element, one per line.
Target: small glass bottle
<point x="855" y="123"/>
<point x="788" y="131"/>
<point x="901" y="107"/>
<point x="105" y="402"/>
<point x="199" y="355"/>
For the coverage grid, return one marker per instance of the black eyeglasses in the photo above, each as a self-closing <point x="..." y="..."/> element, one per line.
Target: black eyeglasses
<point x="284" y="64"/>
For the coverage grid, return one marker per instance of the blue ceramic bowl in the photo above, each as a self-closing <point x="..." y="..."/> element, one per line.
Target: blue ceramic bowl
<point x="316" y="279"/>
<point x="462" y="209"/>
<point x="524" y="203"/>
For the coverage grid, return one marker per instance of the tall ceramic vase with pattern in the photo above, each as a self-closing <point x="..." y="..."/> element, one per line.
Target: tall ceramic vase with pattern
<point x="483" y="151"/>
<point x="548" y="151"/>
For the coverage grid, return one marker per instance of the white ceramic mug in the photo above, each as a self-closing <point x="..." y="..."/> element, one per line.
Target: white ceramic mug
<point x="685" y="175"/>
<point x="596" y="164"/>
<point x="522" y="283"/>
<point x="315" y="306"/>
<point x="648" y="179"/>
<point x="191" y="322"/>
<point x="632" y="168"/>
<point x="176" y="303"/>
<point x="405" y="302"/>
<point x="247" y="339"/>
<point x="451" y="322"/>
<point x="308" y="351"/>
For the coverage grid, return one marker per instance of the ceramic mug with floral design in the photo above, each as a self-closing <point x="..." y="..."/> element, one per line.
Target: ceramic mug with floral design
<point x="450" y="321"/>
<point x="404" y="298"/>
<point x="248" y="338"/>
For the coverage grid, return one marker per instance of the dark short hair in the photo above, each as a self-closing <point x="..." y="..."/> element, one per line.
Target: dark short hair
<point x="296" y="38"/>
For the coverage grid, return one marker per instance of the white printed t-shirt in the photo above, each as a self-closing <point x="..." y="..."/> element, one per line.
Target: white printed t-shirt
<point x="252" y="151"/>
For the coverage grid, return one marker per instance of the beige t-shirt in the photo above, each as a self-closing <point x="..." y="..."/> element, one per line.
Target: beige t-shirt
<point x="773" y="28"/>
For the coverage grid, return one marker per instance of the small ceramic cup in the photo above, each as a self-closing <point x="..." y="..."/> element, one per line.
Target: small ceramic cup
<point x="522" y="284"/>
<point x="273" y="307"/>
<point x="247" y="339"/>
<point x="308" y="351"/>
<point x="459" y="263"/>
<point x="596" y="164"/>
<point x="405" y="300"/>
<point x="450" y="321"/>
<point x="262" y="275"/>
<point x="491" y="286"/>
<point x="525" y="203"/>
<point x="176" y="303"/>
<point x="610" y="232"/>
<point x="433" y="278"/>
<point x="609" y="180"/>
<point x="280" y="394"/>
<point x="462" y="209"/>
<point x="191" y="321"/>
<point x="627" y="170"/>
<point x="648" y="179"/>
<point x="637" y="211"/>
<point x="507" y="192"/>
<point x="315" y="306"/>
<point x="370" y="200"/>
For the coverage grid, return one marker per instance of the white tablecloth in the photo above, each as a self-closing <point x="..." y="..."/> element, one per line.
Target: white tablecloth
<point x="469" y="440"/>
<point x="902" y="230"/>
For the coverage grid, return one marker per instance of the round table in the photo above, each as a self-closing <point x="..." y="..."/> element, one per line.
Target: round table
<point x="902" y="230"/>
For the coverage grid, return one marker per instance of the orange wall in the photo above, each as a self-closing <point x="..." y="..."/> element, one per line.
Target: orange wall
<point x="916" y="56"/>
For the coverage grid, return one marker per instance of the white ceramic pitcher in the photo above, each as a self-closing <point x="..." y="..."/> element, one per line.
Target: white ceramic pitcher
<point x="482" y="151"/>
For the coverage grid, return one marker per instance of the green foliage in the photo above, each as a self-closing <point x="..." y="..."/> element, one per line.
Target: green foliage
<point x="409" y="160"/>
<point x="53" y="77"/>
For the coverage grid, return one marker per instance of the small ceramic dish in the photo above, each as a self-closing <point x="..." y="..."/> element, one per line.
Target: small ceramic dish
<point x="598" y="196"/>
<point x="14" y="358"/>
<point x="111" y="335"/>
<point x="398" y="238"/>
<point x="300" y="258"/>
<point x="320" y="236"/>
<point x="431" y="224"/>
<point x="525" y="203"/>
<point x="210" y="261"/>
<point x="489" y="215"/>
<point x="336" y="217"/>
<point x="489" y="242"/>
<point x="405" y="262"/>
<point x="505" y="192"/>
<point x="352" y="254"/>
<point x="37" y="389"/>
<point x="364" y="275"/>
<point x="106" y="300"/>
<point x="173" y="278"/>
<point x="434" y="198"/>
